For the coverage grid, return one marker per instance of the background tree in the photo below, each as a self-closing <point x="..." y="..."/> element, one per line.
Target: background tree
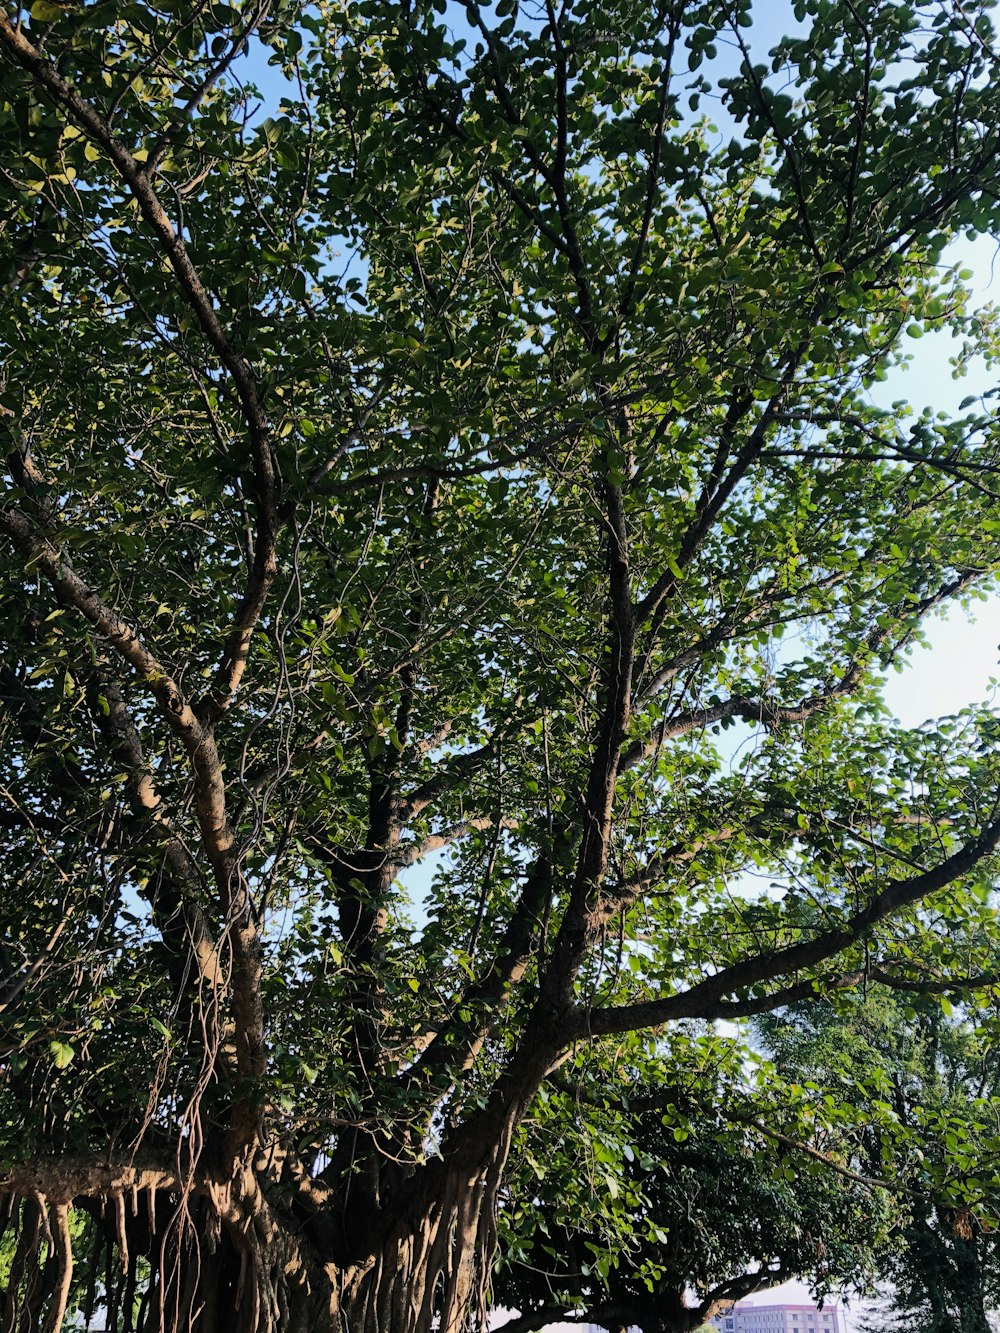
<point x="436" y="463"/>
<point x="923" y="1085"/>
<point x="687" y="1202"/>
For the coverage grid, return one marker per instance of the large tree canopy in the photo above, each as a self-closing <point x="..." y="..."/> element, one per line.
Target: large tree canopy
<point x="452" y="449"/>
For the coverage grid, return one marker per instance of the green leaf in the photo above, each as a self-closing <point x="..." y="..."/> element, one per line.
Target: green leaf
<point x="62" y="1053"/>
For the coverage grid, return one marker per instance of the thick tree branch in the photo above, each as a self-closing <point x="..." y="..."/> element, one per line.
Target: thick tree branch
<point x="597" y="807"/>
<point x="457" y="1043"/>
<point x="74" y="1176"/>
<point x="173" y="897"/>
<point x="199" y="745"/>
<point x="705" y="998"/>
<point x="136" y="176"/>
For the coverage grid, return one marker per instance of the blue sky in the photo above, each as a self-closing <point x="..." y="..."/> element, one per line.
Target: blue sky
<point x="956" y="667"/>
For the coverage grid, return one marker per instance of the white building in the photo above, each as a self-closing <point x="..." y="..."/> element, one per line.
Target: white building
<point x="780" y="1319"/>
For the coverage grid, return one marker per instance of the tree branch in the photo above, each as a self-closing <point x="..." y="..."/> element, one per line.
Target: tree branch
<point x="764" y="712"/>
<point x="409" y="853"/>
<point x="452" y="772"/>
<point x="199" y="745"/>
<point x="715" y="492"/>
<point x="705" y="998"/>
<point x="137" y="177"/>
<point x="459" y="1040"/>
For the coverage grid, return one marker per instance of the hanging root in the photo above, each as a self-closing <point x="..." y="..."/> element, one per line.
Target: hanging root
<point x="63" y="1248"/>
<point x="24" y="1266"/>
<point x="121" y="1233"/>
<point x="432" y="1273"/>
<point x="219" y="1258"/>
<point x="212" y="1257"/>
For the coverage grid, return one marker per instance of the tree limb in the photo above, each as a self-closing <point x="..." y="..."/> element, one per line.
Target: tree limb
<point x="218" y="837"/>
<point x="136" y="176"/>
<point x="705" y="998"/>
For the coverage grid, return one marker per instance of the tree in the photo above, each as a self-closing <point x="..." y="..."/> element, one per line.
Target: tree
<point x="711" y="1204"/>
<point x="433" y="465"/>
<point x="923" y="1083"/>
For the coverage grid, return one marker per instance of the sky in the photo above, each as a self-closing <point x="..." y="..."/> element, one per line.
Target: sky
<point x="962" y="656"/>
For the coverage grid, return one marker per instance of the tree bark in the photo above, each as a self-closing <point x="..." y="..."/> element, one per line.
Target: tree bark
<point x="165" y="1254"/>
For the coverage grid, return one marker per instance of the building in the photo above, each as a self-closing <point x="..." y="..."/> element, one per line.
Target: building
<point x="780" y="1319"/>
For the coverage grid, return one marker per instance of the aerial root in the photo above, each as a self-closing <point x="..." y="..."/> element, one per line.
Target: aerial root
<point x="121" y="1234"/>
<point x="168" y="1265"/>
<point x="64" y="1267"/>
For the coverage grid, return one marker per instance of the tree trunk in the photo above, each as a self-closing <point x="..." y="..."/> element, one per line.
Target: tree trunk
<point x="152" y="1257"/>
<point x="434" y="1263"/>
<point x="969" y="1285"/>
